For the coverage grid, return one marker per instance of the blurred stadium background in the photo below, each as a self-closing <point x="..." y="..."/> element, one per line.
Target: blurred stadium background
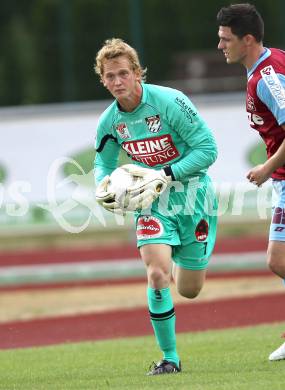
<point x="50" y="102"/>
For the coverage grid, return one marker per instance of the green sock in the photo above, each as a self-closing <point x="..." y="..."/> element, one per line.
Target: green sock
<point x="162" y="317"/>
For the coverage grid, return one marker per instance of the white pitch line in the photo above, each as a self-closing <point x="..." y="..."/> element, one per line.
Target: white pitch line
<point x="79" y="268"/>
<point x="114" y="268"/>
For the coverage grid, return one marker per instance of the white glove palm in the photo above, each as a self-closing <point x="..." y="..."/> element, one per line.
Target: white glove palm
<point x="148" y="187"/>
<point x="106" y="198"/>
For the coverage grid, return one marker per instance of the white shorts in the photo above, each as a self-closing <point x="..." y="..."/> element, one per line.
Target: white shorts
<point x="277" y="227"/>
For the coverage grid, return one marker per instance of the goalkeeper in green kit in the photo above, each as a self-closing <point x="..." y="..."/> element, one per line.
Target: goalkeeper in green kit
<point x="174" y="203"/>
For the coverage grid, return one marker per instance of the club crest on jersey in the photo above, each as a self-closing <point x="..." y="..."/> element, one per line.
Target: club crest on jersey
<point x="250" y="103"/>
<point x="123" y="131"/>
<point x="153" y="123"/>
<point x="202" y="230"/>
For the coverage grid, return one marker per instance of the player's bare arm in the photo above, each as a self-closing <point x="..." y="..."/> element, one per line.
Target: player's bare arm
<point x="262" y="172"/>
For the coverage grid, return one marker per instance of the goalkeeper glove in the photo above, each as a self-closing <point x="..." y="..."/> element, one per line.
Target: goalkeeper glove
<point x="149" y="185"/>
<point x="106" y="198"/>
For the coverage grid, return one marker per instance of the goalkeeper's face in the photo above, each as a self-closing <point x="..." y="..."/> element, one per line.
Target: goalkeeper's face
<point x="121" y="80"/>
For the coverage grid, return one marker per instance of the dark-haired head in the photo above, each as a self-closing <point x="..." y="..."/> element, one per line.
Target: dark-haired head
<point x="243" y="19"/>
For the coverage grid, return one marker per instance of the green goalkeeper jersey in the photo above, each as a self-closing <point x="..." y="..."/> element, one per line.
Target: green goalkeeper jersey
<point x="165" y="129"/>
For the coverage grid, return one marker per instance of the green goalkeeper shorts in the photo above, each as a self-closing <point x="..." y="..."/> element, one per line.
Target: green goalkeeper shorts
<point x="184" y="217"/>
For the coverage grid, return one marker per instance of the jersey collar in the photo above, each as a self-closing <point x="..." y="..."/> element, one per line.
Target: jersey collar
<point x="143" y="100"/>
<point x="144" y="93"/>
<point x="264" y="55"/>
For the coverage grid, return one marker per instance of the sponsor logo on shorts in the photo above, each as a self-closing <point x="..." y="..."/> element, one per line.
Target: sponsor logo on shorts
<point x="202" y="230"/>
<point x="152" y="151"/>
<point x="278" y="216"/>
<point x="153" y="123"/>
<point x="123" y="131"/>
<point x="274" y="85"/>
<point x="279" y="229"/>
<point x="148" y="227"/>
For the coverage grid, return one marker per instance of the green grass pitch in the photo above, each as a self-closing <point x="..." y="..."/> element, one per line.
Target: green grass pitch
<point x="232" y="359"/>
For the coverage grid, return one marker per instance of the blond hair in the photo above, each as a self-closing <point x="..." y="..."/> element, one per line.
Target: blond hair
<point x="114" y="48"/>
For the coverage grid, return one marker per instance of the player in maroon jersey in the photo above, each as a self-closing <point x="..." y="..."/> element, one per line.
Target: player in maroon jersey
<point x="241" y="31"/>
